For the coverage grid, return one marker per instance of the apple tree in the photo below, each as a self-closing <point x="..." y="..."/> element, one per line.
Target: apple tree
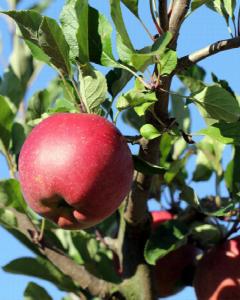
<point x="130" y="253"/>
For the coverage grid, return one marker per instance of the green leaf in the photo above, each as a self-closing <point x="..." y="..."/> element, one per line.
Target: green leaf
<point x="209" y="155"/>
<point x="22" y="62"/>
<point x="74" y="20"/>
<point x="203" y="169"/>
<point x="146" y="167"/>
<point x="131" y="118"/>
<point x="213" y="152"/>
<point x="197" y="3"/>
<point x="7" y="114"/>
<point x="141" y="109"/>
<point x="136" y="98"/>
<point x="167" y="62"/>
<point x="176" y="167"/>
<point x="232" y="173"/>
<point x="93" y="88"/>
<point x="85" y="249"/>
<point x="223" y="211"/>
<point x="116" y="80"/>
<point x="7" y="218"/>
<point x="223" y="7"/>
<point x="124" y="53"/>
<point x="166" y="238"/>
<point x="180" y="111"/>
<point x="53" y="43"/>
<point x="41" y="268"/>
<point x="141" y="60"/>
<point x="122" y="103"/>
<point x="189" y="195"/>
<point x="38" y="53"/>
<point x="19" y="134"/>
<point x="206" y="234"/>
<point x="166" y="143"/>
<point x="178" y="148"/>
<point x="217" y="104"/>
<point x="132" y="5"/>
<point x="100" y="43"/>
<point x="149" y="132"/>
<point x="63" y="105"/>
<point x="28" y="22"/>
<point x="38" y="105"/>
<point x="11" y="87"/>
<point x="10" y="195"/>
<point x="117" y="18"/>
<point x="230" y="6"/>
<point x="223" y="83"/>
<point x="34" y="291"/>
<point x="226" y="133"/>
<point x="193" y="78"/>
<point x="23" y="239"/>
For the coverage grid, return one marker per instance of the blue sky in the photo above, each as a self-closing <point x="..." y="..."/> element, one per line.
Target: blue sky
<point x="200" y="29"/>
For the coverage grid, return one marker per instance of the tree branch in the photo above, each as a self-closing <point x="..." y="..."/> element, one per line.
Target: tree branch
<point x="193" y="58"/>
<point x="137" y="220"/>
<point x="77" y="273"/>
<point x="163" y="14"/>
<point x="179" y="11"/>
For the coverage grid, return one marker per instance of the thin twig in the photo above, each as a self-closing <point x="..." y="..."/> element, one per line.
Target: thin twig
<point x="159" y="29"/>
<point x="146" y="29"/>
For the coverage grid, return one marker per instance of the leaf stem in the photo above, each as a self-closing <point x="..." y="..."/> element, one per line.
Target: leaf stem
<point x="234" y="26"/>
<point x="136" y="75"/>
<point x="158" y="119"/>
<point x="83" y="107"/>
<point x="11" y="164"/>
<point x="116" y="117"/>
<point x="43" y="223"/>
<point x="66" y="86"/>
<point x="146" y="29"/>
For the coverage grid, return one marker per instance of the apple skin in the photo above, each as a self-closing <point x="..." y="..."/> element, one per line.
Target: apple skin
<point x="75" y="169"/>
<point x="218" y="272"/>
<point x="170" y="272"/>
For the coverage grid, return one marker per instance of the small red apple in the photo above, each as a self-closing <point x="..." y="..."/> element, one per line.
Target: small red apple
<point x="75" y="169"/>
<point x="160" y="216"/>
<point x="218" y="273"/>
<point x="169" y="273"/>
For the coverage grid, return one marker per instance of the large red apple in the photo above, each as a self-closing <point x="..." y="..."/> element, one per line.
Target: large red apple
<point x="171" y="271"/>
<point x="75" y="169"/>
<point x="218" y="273"/>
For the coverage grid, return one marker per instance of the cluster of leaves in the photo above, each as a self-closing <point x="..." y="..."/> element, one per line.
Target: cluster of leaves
<point x="73" y="47"/>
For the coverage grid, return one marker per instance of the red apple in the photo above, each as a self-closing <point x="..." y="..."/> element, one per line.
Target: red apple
<point x="171" y="271"/>
<point x="75" y="169"/>
<point x="218" y="273"/>
<point x="160" y="216"/>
